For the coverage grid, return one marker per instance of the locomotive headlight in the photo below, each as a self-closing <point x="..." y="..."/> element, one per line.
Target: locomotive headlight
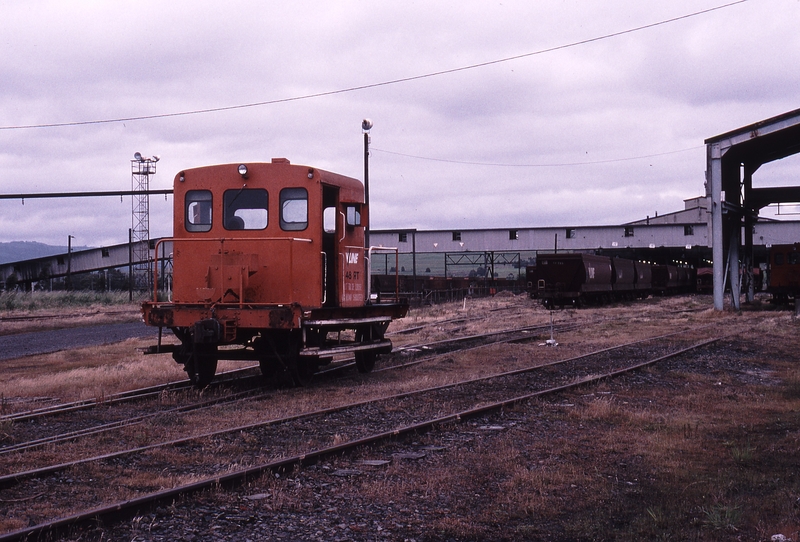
<point x="243" y="170"/>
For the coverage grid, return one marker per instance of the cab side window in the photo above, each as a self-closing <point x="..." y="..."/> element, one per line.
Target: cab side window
<point x="198" y="210"/>
<point x="294" y="209"/>
<point x="353" y="215"/>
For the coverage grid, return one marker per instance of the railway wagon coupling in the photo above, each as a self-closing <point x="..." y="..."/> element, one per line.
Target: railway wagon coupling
<point x="269" y="264"/>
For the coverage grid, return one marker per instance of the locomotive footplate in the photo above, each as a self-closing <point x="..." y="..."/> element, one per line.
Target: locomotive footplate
<point x="383" y="346"/>
<point x="368" y="338"/>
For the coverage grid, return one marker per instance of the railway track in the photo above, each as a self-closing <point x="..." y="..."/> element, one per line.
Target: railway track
<point x="248" y="381"/>
<point x="139" y="394"/>
<point x="230" y="456"/>
<point x="223" y="378"/>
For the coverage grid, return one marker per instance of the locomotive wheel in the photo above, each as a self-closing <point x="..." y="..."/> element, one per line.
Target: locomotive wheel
<point x="275" y="373"/>
<point x="280" y="361"/>
<point x="297" y="371"/>
<point x="201" y="366"/>
<point x="302" y="371"/>
<point x="269" y="367"/>
<point x="365" y="360"/>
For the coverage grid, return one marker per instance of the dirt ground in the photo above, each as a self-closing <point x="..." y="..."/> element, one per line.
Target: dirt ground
<point x="702" y="447"/>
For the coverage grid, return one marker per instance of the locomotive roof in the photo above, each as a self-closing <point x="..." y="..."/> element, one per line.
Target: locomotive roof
<point x="350" y="190"/>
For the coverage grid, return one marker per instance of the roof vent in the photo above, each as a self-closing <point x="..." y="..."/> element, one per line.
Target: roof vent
<point x="280" y="160"/>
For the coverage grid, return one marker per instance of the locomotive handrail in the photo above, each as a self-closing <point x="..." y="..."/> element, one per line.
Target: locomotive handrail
<point x="324" y="278"/>
<point x="210" y="239"/>
<point x="344" y="227"/>
<point x="396" y="270"/>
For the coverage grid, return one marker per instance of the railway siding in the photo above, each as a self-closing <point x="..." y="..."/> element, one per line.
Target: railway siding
<point x="305" y="439"/>
<point x="421" y="428"/>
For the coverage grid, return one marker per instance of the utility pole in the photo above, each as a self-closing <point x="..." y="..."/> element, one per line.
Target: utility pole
<point x="366" y="126"/>
<point x="68" y="284"/>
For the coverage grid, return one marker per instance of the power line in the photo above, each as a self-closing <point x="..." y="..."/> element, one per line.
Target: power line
<point x="375" y="85"/>
<point x="554" y="164"/>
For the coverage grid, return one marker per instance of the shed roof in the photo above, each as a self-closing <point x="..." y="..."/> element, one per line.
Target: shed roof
<point x="763" y="141"/>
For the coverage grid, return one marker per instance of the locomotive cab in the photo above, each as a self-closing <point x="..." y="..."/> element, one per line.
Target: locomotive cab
<point x="270" y="257"/>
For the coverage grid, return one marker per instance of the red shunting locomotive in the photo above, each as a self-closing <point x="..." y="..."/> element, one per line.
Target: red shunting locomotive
<point x="270" y="257"/>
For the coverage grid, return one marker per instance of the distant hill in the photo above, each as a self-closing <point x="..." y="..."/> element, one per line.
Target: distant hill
<point x="16" y="251"/>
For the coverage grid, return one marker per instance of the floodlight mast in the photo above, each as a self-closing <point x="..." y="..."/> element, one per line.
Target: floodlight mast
<point x="141" y="169"/>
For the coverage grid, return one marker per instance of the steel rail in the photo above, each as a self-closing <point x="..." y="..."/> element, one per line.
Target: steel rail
<point x="157" y="390"/>
<point x="120" y="397"/>
<point x="248" y="394"/>
<point x="10" y="479"/>
<point x="132" y="395"/>
<point x="233" y="479"/>
<point x="127" y="422"/>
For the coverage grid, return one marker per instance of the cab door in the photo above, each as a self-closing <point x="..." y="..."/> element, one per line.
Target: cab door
<point x="352" y="257"/>
<point x="343" y="258"/>
<point x="332" y="227"/>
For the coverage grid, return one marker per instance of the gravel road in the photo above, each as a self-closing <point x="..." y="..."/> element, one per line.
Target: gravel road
<point x="45" y="342"/>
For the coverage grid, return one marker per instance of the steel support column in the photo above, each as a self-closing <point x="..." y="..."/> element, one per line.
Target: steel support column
<point x="714" y="182"/>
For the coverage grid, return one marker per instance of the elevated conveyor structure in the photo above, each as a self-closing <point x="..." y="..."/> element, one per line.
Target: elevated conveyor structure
<point x="732" y="158"/>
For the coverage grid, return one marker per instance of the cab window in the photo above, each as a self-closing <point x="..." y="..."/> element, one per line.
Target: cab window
<point x="294" y="209"/>
<point x="245" y="209"/>
<point x="353" y="214"/>
<point x="329" y="220"/>
<point x="198" y="210"/>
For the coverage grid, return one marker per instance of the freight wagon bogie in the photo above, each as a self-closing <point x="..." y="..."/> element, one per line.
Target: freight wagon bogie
<point x="269" y="265"/>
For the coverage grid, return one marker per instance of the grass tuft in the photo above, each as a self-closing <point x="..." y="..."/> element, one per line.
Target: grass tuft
<point x="743" y="453"/>
<point x="721" y="517"/>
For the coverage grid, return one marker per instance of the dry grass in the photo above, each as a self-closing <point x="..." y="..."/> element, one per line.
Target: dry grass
<point x="22" y="312"/>
<point x="88" y="373"/>
<point x="707" y="451"/>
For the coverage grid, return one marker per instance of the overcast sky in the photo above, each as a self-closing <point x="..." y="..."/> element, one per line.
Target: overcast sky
<point x="562" y="117"/>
